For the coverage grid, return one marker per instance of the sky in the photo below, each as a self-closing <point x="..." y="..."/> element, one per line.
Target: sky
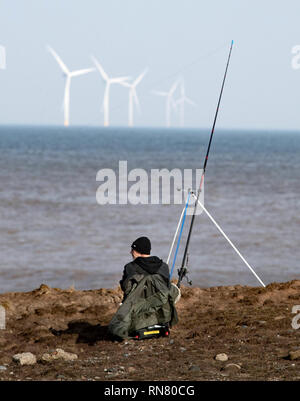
<point x="188" y="39"/>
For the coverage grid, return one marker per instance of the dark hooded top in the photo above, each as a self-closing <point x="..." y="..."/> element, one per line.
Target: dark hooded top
<point x="145" y="266"/>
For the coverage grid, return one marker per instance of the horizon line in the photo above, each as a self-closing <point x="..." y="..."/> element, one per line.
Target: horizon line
<point x="175" y="128"/>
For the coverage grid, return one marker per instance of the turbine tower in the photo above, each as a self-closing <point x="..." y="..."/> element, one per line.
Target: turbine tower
<point x="108" y="81"/>
<point x="133" y="95"/>
<point x="169" y="101"/>
<point x="68" y="75"/>
<point x="181" y="101"/>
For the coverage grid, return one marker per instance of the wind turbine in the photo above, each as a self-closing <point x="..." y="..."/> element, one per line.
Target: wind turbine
<point x="68" y="75"/>
<point x="133" y="95"/>
<point x="183" y="99"/>
<point x="108" y="81"/>
<point x="169" y="101"/>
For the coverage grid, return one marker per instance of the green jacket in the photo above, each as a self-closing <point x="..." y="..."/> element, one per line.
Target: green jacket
<point x="149" y="302"/>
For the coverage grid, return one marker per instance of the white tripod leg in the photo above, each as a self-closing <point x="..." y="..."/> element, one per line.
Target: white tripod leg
<point x="236" y="250"/>
<point x="175" y="235"/>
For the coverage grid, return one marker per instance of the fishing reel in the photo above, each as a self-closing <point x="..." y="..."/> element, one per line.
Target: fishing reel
<point x="183" y="273"/>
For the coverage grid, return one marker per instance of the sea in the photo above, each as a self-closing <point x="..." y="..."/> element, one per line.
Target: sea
<point x="53" y="230"/>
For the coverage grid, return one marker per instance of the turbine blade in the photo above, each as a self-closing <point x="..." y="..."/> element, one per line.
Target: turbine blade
<point x="59" y="60"/>
<point x="100" y="68"/>
<point x="173" y="88"/>
<point x="140" y="77"/>
<point x="81" y="72"/>
<point x="118" y="80"/>
<point x="126" y="84"/>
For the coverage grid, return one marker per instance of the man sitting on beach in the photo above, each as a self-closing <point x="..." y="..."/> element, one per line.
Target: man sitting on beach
<point x="149" y="298"/>
<point x="143" y="263"/>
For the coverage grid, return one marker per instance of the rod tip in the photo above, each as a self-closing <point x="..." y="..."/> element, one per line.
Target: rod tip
<point x="231" y="42"/>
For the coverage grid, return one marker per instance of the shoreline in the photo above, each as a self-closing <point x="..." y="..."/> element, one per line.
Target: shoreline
<point x="251" y="325"/>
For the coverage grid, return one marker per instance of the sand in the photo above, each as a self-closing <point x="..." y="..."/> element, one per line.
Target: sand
<point x="251" y="325"/>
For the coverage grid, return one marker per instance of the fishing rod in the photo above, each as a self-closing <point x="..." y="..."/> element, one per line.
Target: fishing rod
<point x="183" y="270"/>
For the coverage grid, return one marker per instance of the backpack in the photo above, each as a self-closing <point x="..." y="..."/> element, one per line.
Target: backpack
<point x="150" y="303"/>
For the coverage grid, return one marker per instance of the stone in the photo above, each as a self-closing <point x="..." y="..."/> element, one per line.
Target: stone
<point x="294" y="355"/>
<point x="2" y="368"/>
<point x="58" y="354"/>
<point x="221" y="357"/>
<point x="25" y="358"/>
<point x="232" y="367"/>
